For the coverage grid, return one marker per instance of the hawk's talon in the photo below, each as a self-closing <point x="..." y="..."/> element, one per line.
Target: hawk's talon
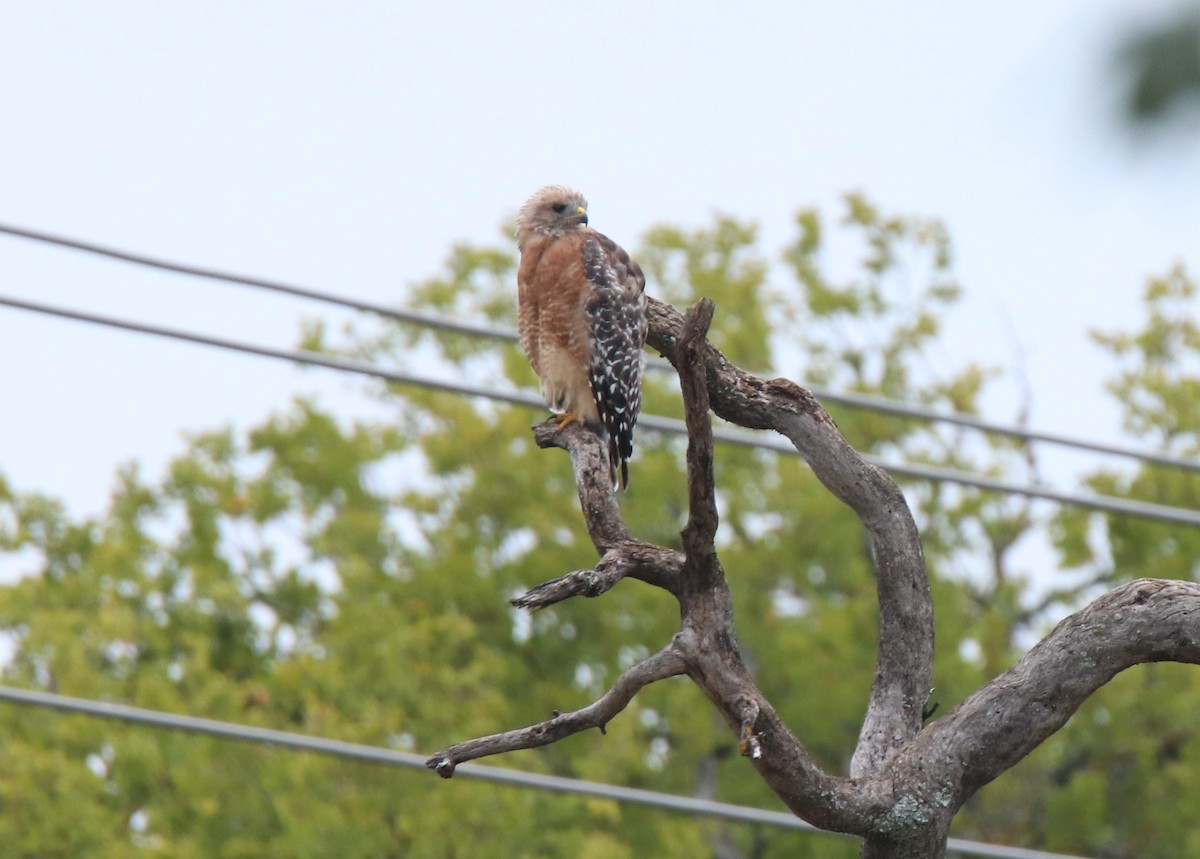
<point x="567" y="418"/>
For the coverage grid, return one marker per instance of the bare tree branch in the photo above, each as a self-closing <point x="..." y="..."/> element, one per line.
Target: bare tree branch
<point x="904" y="668"/>
<point x="580" y="583"/>
<point x="622" y="556"/>
<point x="1146" y="620"/>
<point x="708" y="639"/>
<point x="666" y="663"/>
<point x="707" y="644"/>
<point x="906" y="783"/>
<point x="634" y="559"/>
<point x="590" y="463"/>
<point x="904" y="663"/>
<point x="701" y="529"/>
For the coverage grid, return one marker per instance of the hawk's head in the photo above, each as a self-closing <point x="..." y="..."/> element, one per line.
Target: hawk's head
<point x="553" y="211"/>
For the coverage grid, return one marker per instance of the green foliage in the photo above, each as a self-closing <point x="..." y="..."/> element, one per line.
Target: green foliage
<point x="1133" y="752"/>
<point x="351" y="581"/>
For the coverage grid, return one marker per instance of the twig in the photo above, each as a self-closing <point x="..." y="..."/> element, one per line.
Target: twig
<point x="636" y="560"/>
<point x="666" y="663"/>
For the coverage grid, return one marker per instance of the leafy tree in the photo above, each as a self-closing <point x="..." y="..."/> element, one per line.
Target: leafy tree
<point x="352" y="581"/>
<point x="1131" y="764"/>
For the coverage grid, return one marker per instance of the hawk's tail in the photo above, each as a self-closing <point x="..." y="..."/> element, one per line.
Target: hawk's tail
<point x="617" y="392"/>
<point x="618" y="459"/>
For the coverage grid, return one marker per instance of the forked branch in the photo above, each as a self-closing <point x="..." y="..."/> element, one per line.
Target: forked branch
<point x="906" y="781"/>
<point x="904" y="667"/>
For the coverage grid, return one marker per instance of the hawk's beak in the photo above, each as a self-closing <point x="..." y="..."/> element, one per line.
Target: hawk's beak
<point x="582" y="212"/>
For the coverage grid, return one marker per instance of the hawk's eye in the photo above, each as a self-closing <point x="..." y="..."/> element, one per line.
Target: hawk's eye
<point x="559" y="208"/>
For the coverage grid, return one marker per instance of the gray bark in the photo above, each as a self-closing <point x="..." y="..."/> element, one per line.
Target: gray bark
<point x="905" y="781"/>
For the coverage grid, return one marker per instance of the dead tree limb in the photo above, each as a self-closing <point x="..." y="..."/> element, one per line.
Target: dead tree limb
<point x="905" y="781"/>
<point x="904" y="669"/>
<point x="666" y="663"/>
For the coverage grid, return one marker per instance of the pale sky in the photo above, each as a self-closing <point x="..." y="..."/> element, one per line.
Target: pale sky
<point x="347" y="146"/>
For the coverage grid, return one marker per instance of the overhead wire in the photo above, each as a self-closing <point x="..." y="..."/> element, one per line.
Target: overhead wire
<point x="475" y="329"/>
<point x="415" y="317"/>
<point x="1103" y="503"/>
<point x="391" y="757"/>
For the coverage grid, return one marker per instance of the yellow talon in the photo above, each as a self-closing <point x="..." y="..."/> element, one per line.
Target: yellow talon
<point x="568" y="418"/>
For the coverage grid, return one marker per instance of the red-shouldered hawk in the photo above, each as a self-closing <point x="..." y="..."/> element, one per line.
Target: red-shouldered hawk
<point x="582" y="319"/>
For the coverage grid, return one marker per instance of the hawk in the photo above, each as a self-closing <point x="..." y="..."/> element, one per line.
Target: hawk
<point x="582" y="319"/>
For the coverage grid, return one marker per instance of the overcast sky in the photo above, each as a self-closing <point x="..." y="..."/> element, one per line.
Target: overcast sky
<point x="348" y="145"/>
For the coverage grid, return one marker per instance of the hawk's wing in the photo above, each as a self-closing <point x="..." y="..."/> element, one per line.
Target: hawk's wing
<point x="616" y="311"/>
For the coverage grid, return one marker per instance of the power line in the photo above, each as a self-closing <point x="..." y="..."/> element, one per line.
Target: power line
<point x="1104" y="503"/>
<point x="389" y="757"/>
<point x="416" y="317"/>
<point x="895" y="407"/>
<point x="431" y="320"/>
